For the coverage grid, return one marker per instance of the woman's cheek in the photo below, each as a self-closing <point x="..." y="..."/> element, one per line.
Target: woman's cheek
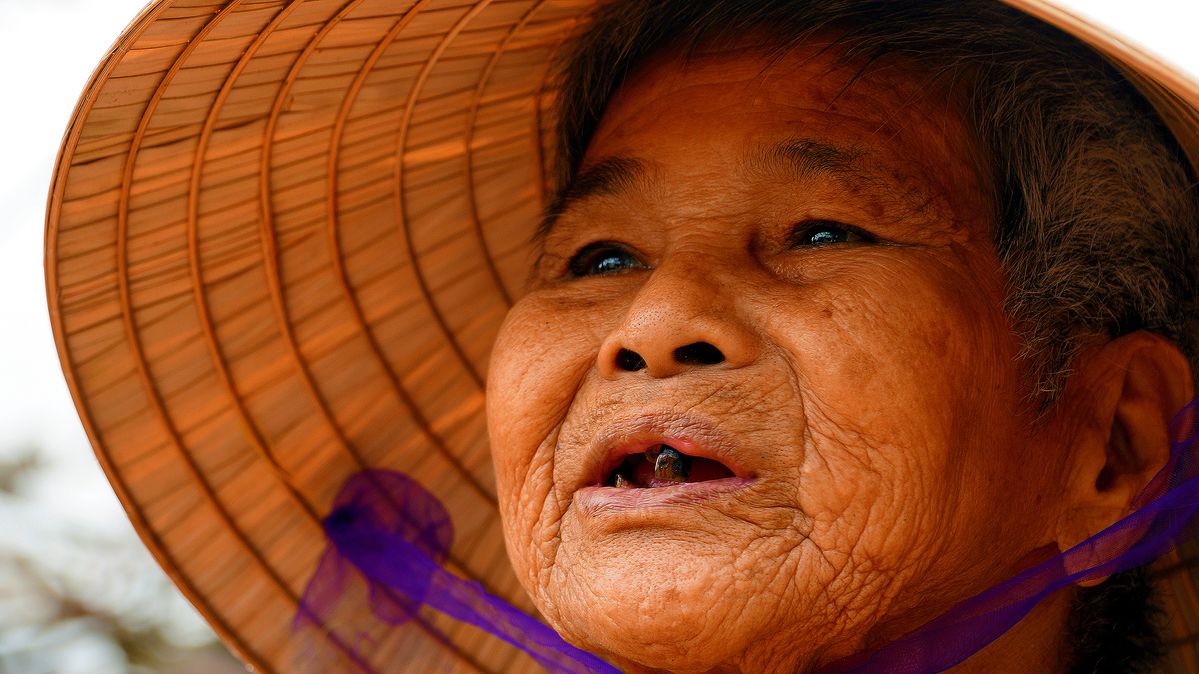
<point x="538" y="361"/>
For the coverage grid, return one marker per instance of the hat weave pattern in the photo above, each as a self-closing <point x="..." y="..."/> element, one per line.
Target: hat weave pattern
<point x="281" y="240"/>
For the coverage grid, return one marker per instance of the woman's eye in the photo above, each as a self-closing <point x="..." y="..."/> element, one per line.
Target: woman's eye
<point x="602" y="257"/>
<point x="825" y="232"/>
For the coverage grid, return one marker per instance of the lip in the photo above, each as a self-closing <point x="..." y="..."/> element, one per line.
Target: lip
<point x="597" y="501"/>
<point x="688" y="434"/>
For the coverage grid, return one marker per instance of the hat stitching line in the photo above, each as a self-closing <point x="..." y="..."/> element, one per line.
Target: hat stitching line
<point x="539" y="105"/>
<point x="95" y="298"/>
<point x="54" y="296"/>
<point x="468" y="143"/>
<point x="206" y="323"/>
<point x="149" y="388"/>
<point x="539" y="132"/>
<point x="333" y="222"/>
<point x="271" y="256"/>
<point x="267" y="233"/>
<point x="274" y="278"/>
<point x="400" y="176"/>
<point x="199" y="294"/>
<point x="349" y="100"/>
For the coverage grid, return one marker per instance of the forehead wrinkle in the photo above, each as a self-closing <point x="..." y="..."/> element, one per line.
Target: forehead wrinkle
<point x="800" y="159"/>
<point x="804" y="158"/>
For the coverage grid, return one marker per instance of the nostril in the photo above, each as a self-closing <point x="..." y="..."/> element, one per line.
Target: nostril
<point x="698" y="353"/>
<point x="629" y="361"/>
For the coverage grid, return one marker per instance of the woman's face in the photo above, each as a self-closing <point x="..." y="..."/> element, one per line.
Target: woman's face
<point x="788" y="278"/>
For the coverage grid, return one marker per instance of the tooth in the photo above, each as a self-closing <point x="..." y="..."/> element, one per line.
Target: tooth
<point x="621" y="482"/>
<point x="670" y="465"/>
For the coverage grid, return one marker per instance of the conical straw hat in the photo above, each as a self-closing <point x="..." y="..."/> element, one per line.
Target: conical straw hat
<point x="281" y="238"/>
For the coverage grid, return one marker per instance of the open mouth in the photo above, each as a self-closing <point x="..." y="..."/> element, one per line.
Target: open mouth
<point x="661" y="466"/>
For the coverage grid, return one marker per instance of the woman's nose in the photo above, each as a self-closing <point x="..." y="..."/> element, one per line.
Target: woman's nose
<point x="680" y="319"/>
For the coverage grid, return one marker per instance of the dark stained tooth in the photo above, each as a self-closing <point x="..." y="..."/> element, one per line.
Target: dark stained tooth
<point x="621" y="482"/>
<point x="670" y="465"/>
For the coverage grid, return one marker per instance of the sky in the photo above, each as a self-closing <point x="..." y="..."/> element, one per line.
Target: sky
<point x="48" y="49"/>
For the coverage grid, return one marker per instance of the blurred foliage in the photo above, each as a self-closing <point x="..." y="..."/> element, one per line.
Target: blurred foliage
<point x="78" y="600"/>
<point x="15" y="467"/>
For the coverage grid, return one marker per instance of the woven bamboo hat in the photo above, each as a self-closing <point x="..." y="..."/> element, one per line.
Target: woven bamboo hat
<point x="281" y="238"/>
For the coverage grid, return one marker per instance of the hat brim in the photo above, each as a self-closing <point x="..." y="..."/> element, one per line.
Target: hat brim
<point x="281" y="238"/>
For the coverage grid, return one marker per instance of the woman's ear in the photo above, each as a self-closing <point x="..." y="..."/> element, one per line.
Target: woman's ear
<point x="1121" y="399"/>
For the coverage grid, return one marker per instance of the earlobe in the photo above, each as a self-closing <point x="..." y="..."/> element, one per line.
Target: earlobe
<point x="1126" y="392"/>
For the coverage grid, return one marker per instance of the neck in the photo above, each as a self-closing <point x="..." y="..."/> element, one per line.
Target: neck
<point x="1035" y="644"/>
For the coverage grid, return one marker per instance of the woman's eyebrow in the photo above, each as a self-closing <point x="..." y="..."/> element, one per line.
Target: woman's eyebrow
<point x="604" y="178"/>
<point x="795" y="158"/>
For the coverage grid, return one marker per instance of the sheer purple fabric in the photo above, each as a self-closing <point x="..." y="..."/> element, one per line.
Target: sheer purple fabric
<point x="389" y="532"/>
<point x="1164" y="512"/>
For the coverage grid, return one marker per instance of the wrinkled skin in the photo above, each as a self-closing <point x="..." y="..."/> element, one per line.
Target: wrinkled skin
<point x="869" y="386"/>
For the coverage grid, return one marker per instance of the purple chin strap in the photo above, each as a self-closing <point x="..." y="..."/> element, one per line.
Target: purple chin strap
<point x="389" y="537"/>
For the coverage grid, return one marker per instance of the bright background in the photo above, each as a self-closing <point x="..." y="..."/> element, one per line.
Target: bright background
<point x="78" y="593"/>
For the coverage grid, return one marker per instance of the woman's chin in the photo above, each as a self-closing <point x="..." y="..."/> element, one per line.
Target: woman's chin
<point x="652" y="610"/>
<point x="640" y="640"/>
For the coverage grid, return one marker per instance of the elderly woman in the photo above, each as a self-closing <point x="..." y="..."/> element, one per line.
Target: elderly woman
<point x="840" y="315"/>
